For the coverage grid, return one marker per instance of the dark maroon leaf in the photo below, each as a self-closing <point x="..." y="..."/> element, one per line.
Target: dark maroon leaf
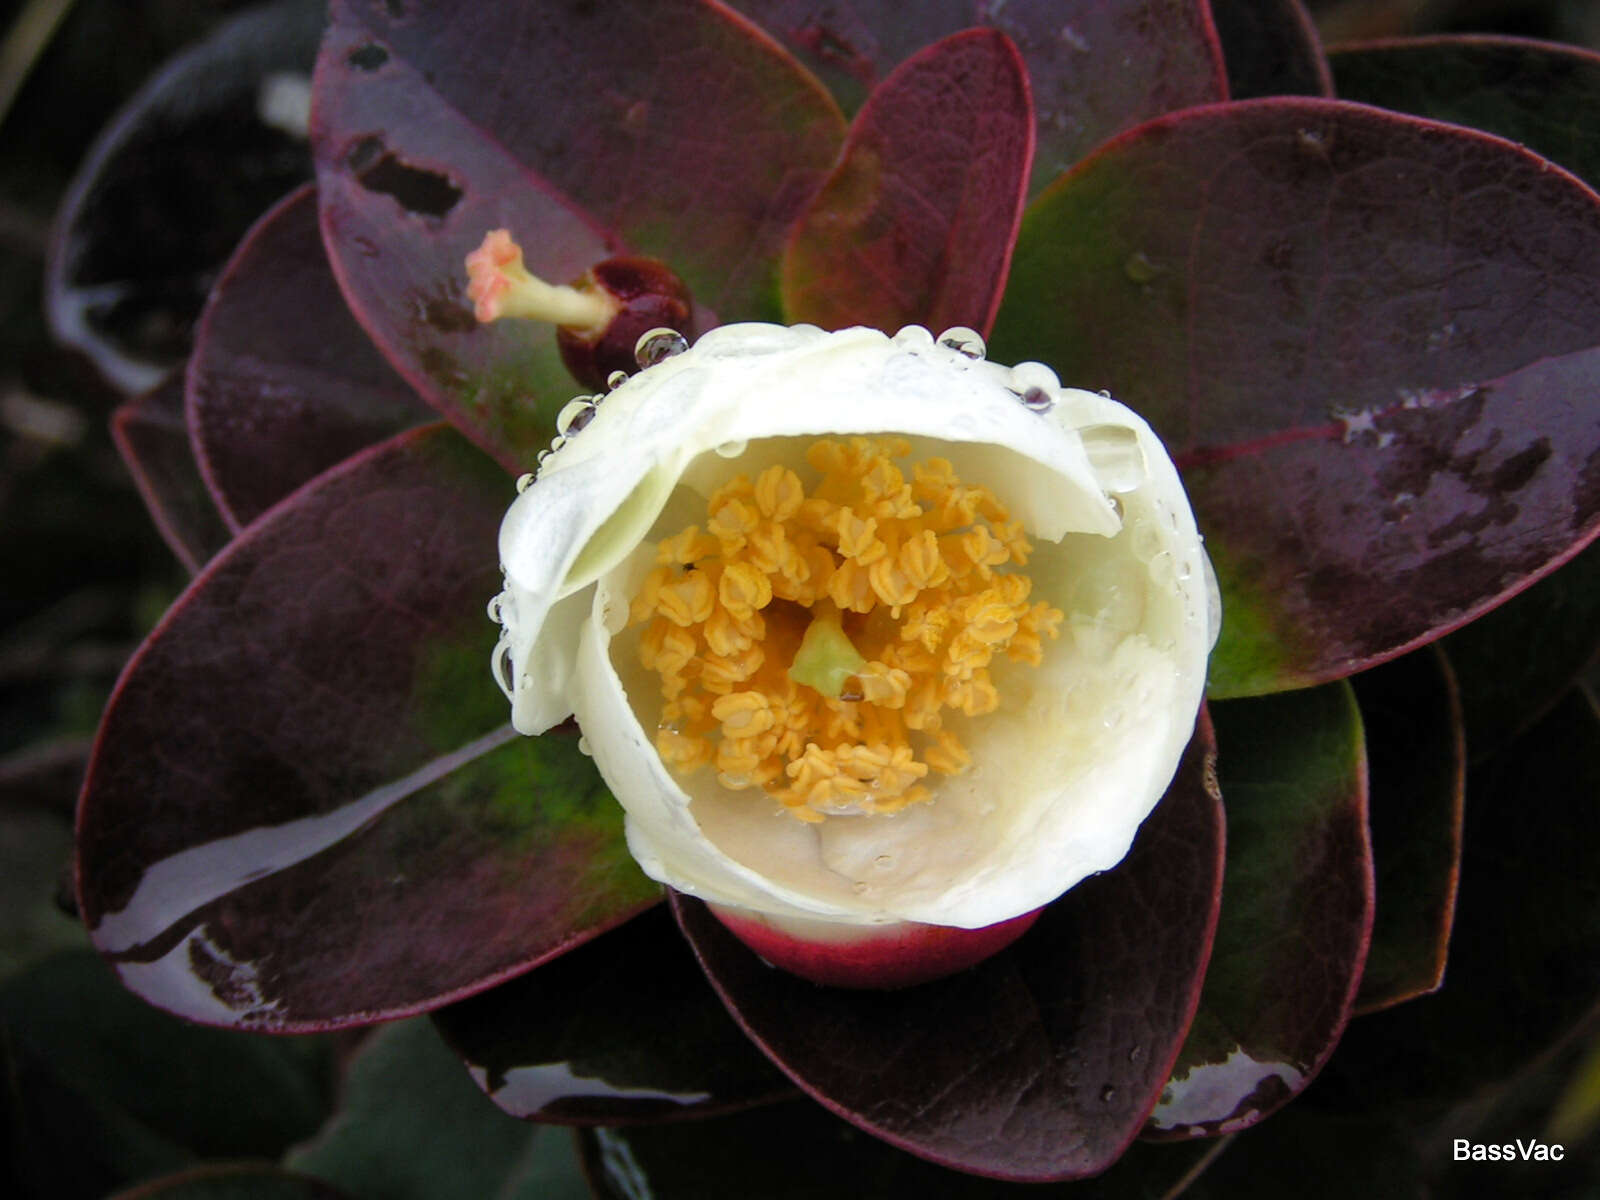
<point x="800" y="1151"/>
<point x="1366" y="340"/>
<point x="171" y="185"/>
<point x="1038" y="1064"/>
<point x="1416" y="763"/>
<point x="1525" y="953"/>
<point x="1296" y="911"/>
<point x="233" y="1181"/>
<point x="1514" y="663"/>
<point x="1096" y="68"/>
<point x="305" y="807"/>
<point x="1271" y="48"/>
<point x="673" y="127"/>
<point x="623" y="1029"/>
<point x="283" y="383"/>
<point x="1539" y="94"/>
<point x="916" y="223"/>
<point x="153" y="439"/>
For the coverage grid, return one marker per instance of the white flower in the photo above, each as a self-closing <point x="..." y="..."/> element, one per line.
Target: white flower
<point x="880" y="817"/>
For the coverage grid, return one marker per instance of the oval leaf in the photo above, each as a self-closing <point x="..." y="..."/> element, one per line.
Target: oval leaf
<point x="1296" y="913"/>
<point x="1271" y="48"/>
<point x="623" y="1029"/>
<point x="244" y="855"/>
<point x="1038" y="1064"/>
<point x="283" y="383"/>
<point x="1362" y="335"/>
<point x="171" y="185"/>
<point x="1539" y="94"/>
<point x="152" y="435"/>
<point x="916" y="223"/>
<point x="1096" y="69"/>
<point x="1416" y="760"/>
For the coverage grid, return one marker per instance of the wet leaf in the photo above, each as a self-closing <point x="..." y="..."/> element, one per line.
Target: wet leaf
<point x="305" y="808"/>
<point x="1365" y="338"/>
<point x="436" y="125"/>
<point x="283" y="383"/>
<point x="1416" y="762"/>
<point x="1271" y="48"/>
<point x="172" y="184"/>
<point x="116" y="1091"/>
<point x="1038" y="1064"/>
<point x="237" y="1181"/>
<point x="153" y="439"/>
<point x="1536" y="93"/>
<point x="623" y="1029"/>
<point x="412" y="1127"/>
<point x="1296" y="911"/>
<point x="916" y="223"/>
<point x="1095" y="69"/>
<point x="733" y="1158"/>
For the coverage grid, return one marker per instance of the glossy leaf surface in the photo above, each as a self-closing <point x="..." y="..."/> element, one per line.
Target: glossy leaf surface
<point x="1416" y="760"/>
<point x="1095" y="69"/>
<point x="916" y="223"/>
<point x="623" y="1029"/>
<point x="733" y="1158"/>
<point x="152" y="436"/>
<point x="156" y="209"/>
<point x="305" y="808"/>
<point x="233" y="1182"/>
<point x="411" y="1126"/>
<point x="1271" y="48"/>
<point x="1539" y="94"/>
<point x="1513" y="664"/>
<point x="1296" y="911"/>
<point x="1525" y="954"/>
<point x="1038" y="1064"/>
<point x="283" y="383"/>
<point x="112" y="1090"/>
<point x="436" y="125"/>
<point x="1365" y="340"/>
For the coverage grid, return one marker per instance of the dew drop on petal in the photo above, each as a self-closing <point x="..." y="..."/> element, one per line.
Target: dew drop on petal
<point x="615" y="380"/>
<point x="557" y="442"/>
<point x="658" y="345"/>
<point x="1037" y="400"/>
<point x="504" y="668"/>
<point x="732" y="449"/>
<point x="964" y="341"/>
<point x="494" y="607"/>
<point x="583" y="746"/>
<point x="524" y="482"/>
<point x="913" y="337"/>
<point x="883" y="862"/>
<point x="574" y="416"/>
<point x="541" y="456"/>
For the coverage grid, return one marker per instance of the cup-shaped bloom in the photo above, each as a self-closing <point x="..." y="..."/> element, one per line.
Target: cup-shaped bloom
<point x="862" y="629"/>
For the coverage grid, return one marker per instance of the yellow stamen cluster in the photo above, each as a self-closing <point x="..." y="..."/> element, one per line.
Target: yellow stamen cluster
<point x="918" y="573"/>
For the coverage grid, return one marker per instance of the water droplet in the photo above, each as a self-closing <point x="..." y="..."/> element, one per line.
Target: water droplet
<point x="1141" y="268"/>
<point x="658" y="345"/>
<point x="583" y="746"/>
<point x="557" y="442"/>
<point x="1185" y="570"/>
<point x="1038" y="400"/>
<point x="1116" y="505"/>
<point x="1105" y="393"/>
<point x="883" y="862"/>
<point x="964" y="341"/>
<point x="913" y="337"/>
<point x="1107" y="1094"/>
<point x="524" y="482"/>
<point x="542" y="456"/>
<point x="574" y="415"/>
<point x="1134" y="1052"/>
<point x="732" y="449"/>
<point x="504" y="668"/>
<point x="494" y="607"/>
<point x="615" y="380"/>
<point x="1112" y="717"/>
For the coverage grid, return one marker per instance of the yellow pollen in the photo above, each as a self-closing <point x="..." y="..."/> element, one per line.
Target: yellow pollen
<point x="813" y="633"/>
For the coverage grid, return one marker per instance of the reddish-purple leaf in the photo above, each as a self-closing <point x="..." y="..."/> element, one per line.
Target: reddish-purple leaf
<point x="1416" y="762"/>
<point x="674" y="127"/>
<point x="1096" y="68"/>
<point x="1271" y="48"/>
<point x="171" y="185"/>
<point x="283" y="384"/>
<point x="1296" y="912"/>
<point x="153" y="439"/>
<point x="1539" y="94"/>
<point x="916" y="223"/>
<point x="1040" y="1063"/>
<point x="621" y="1030"/>
<point x="1366" y="340"/>
<point x="305" y="808"/>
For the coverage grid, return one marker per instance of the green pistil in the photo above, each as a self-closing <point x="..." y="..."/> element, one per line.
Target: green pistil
<point x="826" y="659"/>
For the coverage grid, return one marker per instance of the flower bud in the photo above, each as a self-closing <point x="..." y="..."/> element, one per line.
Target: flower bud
<point x="645" y="294"/>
